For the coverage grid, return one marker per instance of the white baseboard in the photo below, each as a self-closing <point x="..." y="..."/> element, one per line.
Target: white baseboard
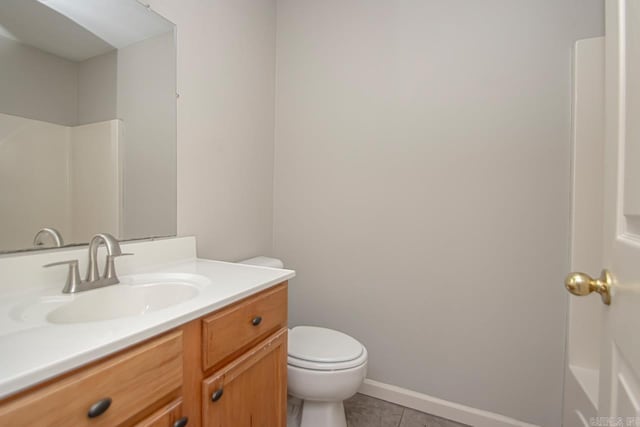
<point x="438" y="407"/>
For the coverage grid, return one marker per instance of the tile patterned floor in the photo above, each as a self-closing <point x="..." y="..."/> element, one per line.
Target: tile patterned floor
<point x="365" y="411"/>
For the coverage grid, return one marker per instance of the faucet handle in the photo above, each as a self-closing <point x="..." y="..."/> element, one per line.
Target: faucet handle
<point x="110" y="268"/>
<point x="70" y="262"/>
<point x="122" y="254"/>
<point x="73" y="277"/>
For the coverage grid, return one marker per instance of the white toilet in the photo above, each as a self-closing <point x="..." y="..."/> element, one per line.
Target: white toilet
<point x="325" y="367"/>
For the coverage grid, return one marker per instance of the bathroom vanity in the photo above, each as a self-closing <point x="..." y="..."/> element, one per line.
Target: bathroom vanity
<point x="218" y="358"/>
<point x="180" y="340"/>
<point x="226" y="367"/>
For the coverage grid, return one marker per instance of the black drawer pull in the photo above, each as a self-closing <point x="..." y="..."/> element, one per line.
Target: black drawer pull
<point x="217" y="395"/>
<point x="182" y="422"/>
<point x="256" y="321"/>
<point x="99" y="408"/>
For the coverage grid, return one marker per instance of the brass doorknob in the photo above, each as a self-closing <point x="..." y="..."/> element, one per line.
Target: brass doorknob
<point x="582" y="284"/>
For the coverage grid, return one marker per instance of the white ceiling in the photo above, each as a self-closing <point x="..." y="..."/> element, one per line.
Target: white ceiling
<point x="79" y="29"/>
<point x="34" y="24"/>
<point x="119" y="22"/>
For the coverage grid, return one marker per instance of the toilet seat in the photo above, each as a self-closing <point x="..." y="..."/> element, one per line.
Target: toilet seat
<point x="322" y="366"/>
<point x="322" y="349"/>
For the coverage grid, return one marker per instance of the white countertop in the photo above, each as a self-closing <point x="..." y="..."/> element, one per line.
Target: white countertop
<point x="33" y="350"/>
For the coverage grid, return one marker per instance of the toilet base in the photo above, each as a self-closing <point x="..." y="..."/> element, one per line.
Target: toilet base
<point x="323" y="414"/>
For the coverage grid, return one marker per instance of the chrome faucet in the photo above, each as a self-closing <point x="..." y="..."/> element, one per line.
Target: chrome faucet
<point x="48" y="231"/>
<point x="93" y="279"/>
<point x="113" y="250"/>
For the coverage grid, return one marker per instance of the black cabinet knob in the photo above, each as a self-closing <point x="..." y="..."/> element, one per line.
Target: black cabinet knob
<point x="256" y="321"/>
<point x="99" y="408"/>
<point x="182" y="422"/>
<point x="217" y="395"/>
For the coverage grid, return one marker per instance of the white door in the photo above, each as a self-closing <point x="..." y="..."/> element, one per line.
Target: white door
<point x="619" y="370"/>
<point x="620" y="356"/>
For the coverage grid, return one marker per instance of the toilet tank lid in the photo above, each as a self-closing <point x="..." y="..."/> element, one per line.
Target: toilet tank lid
<point x="263" y="261"/>
<point x="322" y="345"/>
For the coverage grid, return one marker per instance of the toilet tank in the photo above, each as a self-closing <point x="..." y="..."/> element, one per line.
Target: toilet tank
<point x="263" y="261"/>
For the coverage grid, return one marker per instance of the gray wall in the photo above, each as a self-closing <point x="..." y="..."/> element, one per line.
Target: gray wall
<point x="147" y="105"/>
<point x="422" y="188"/>
<point x="97" y="88"/>
<point x="37" y="85"/>
<point x="226" y="66"/>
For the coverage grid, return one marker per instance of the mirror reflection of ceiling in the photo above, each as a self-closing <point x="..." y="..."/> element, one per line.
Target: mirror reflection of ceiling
<point x="32" y="23"/>
<point x="78" y="30"/>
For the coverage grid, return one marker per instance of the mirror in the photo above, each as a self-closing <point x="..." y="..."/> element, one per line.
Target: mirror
<point x="87" y="122"/>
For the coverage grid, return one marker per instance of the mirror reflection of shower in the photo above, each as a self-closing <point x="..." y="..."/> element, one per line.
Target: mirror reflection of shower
<point x="87" y="122"/>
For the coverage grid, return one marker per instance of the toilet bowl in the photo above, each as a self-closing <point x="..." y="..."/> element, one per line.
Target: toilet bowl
<point x="324" y="368"/>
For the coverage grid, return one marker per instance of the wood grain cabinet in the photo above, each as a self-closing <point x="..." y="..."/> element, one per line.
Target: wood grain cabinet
<point x="170" y="415"/>
<point x="251" y="390"/>
<point x="232" y="330"/>
<point x="112" y="392"/>
<point x="226" y="369"/>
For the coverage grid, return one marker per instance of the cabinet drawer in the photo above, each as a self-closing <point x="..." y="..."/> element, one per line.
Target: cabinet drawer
<point x="133" y="380"/>
<point x="168" y="416"/>
<point x="236" y="328"/>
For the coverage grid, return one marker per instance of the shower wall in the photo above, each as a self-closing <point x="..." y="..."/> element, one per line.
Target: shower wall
<point x="65" y="177"/>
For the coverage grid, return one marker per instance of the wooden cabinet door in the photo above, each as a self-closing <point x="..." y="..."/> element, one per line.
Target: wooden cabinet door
<point x="252" y="390"/>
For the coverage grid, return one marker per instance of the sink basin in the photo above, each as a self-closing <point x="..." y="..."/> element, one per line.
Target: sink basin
<point x="134" y="296"/>
<point x="118" y="301"/>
